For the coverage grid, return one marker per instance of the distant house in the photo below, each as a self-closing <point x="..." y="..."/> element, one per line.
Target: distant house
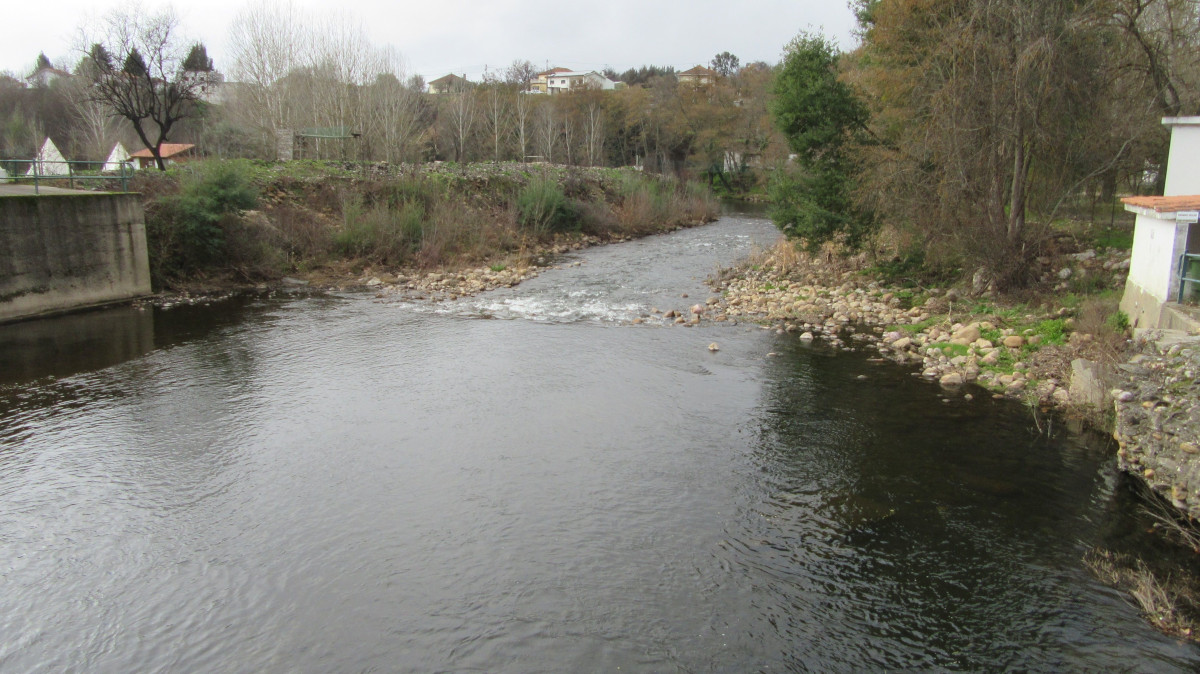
<point x="49" y="162"/>
<point x="541" y="81"/>
<point x="171" y="153"/>
<point x="697" y="75"/>
<point x="448" y="83"/>
<point x="45" y="75"/>
<point x="1164" y="232"/>
<point x="562" y="82"/>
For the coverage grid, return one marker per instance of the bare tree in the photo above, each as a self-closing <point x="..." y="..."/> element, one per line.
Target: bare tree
<point x="151" y="88"/>
<point x="520" y="74"/>
<point x="592" y="120"/>
<point x="269" y="41"/>
<point x="459" y="107"/>
<point x="522" y="111"/>
<point x="393" y="111"/>
<point x="547" y="130"/>
<point x="94" y="121"/>
<point x="496" y="112"/>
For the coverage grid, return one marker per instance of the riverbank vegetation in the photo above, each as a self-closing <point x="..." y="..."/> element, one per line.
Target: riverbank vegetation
<point x="250" y="221"/>
<point x="964" y="139"/>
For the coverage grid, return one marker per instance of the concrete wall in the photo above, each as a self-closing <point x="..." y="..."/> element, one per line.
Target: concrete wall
<point x="1183" y="172"/>
<point x="1157" y="244"/>
<point x="66" y="251"/>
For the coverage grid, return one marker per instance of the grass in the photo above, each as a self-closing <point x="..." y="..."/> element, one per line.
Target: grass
<point x="1166" y="603"/>
<point x="1120" y="238"/>
<point x="952" y="350"/>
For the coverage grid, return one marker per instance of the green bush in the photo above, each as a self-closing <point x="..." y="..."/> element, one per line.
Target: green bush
<point x="186" y="231"/>
<point x="543" y="207"/>
<point x="1118" y="321"/>
<point x="380" y="233"/>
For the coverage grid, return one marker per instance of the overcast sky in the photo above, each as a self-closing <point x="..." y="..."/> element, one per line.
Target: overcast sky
<point x="465" y="36"/>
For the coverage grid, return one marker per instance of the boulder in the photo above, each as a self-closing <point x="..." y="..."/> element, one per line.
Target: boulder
<point x="966" y="335"/>
<point x="952" y="379"/>
<point x="1014" y="341"/>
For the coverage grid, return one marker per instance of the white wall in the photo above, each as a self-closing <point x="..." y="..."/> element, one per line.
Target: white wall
<point x="1183" y="171"/>
<point x="1157" y="244"/>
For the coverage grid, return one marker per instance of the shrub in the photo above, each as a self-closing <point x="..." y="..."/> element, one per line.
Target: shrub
<point x="380" y="233"/>
<point x="543" y="207"/>
<point x="186" y="231"/>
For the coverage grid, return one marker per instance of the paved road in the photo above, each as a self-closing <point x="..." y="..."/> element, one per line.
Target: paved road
<point x="21" y="189"/>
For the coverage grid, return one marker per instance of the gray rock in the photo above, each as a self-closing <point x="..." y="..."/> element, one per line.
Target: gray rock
<point x="951" y="380"/>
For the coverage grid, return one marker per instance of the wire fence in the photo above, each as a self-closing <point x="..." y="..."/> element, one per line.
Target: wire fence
<point x="77" y="174"/>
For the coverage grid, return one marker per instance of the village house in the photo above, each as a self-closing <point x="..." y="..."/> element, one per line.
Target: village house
<point x="172" y="153"/>
<point x="448" y="83"/>
<point x="43" y="76"/>
<point x="1166" y="240"/>
<point x="563" y="82"/>
<point x="697" y="75"/>
<point x="540" y="83"/>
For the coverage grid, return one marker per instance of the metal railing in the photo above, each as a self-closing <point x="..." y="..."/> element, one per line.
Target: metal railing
<point x="1184" y="278"/>
<point x="38" y="172"/>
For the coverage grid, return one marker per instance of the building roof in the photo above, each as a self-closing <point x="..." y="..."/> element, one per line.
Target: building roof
<point x="167" y="150"/>
<point x="1189" y="202"/>
<point x="448" y="79"/>
<point x="553" y="71"/>
<point x="700" y="71"/>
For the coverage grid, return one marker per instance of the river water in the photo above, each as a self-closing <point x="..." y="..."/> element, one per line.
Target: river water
<point x="525" y="481"/>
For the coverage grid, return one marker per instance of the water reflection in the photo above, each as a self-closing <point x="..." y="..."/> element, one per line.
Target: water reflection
<point x="885" y="538"/>
<point x="63" y="345"/>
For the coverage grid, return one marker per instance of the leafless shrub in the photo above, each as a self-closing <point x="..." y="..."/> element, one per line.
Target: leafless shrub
<point x="1167" y="604"/>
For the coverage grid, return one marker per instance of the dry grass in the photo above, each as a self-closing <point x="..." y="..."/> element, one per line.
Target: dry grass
<point x="1168" y="604"/>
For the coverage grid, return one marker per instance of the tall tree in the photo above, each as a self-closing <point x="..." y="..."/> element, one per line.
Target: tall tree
<point x="984" y="105"/>
<point x="823" y="120"/>
<point x="151" y="90"/>
<point x="725" y="64"/>
<point x="496" y="113"/>
<point x="197" y="60"/>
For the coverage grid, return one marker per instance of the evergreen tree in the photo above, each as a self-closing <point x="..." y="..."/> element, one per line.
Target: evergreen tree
<point x="823" y="121"/>
<point x="134" y="64"/>
<point x="197" y="60"/>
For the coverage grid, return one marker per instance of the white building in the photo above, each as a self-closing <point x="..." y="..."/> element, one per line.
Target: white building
<point x="561" y="82"/>
<point x="1164" y="232"/>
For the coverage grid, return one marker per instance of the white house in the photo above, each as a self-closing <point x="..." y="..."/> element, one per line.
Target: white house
<point x="1164" y="231"/>
<point x="562" y="82"/>
<point x="49" y="162"/>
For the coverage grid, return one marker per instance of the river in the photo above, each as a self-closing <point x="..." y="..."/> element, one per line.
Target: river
<point x="525" y="481"/>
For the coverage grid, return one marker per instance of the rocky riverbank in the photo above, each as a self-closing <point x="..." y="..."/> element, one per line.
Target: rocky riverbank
<point x="1158" y="418"/>
<point x="950" y="337"/>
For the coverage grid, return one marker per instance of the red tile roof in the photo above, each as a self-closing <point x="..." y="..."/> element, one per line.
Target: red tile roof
<point x="1189" y="202"/>
<point x="167" y="150"/>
